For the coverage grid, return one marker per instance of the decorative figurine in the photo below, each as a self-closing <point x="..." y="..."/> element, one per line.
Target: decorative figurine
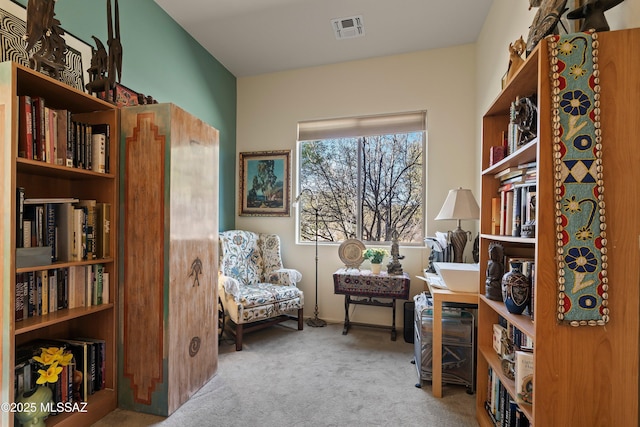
<point x="394" y="268"/>
<point x="529" y="227"/>
<point x="516" y="289"/>
<point x="105" y="66"/>
<point x="525" y="119"/>
<point x="43" y="27"/>
<point x="495" y="269"/>
<point x="593" y="14"/>
<point x="545" y="21"/>
<point x="516" y="49"/>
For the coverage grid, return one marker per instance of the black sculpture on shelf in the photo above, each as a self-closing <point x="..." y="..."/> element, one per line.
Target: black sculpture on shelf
<point x="394" y="268"/>
<point x="526" y="118"/>
<point x="593" y="14"/>
<point x="546" y="20"/>
<point x="495" y="270"/>
<point x="105" y="66"/>
<point x="43" y="27"/>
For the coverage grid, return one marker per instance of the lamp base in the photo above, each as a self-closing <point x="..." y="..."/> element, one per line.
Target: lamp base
<point x="316" y="322"/>
<point x="459" y="241"/>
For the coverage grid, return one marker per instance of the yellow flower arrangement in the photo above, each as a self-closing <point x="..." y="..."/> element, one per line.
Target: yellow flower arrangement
<point x="52" y="359"/>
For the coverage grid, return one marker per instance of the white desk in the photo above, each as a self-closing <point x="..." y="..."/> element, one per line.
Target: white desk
<point x="439" y="296"/>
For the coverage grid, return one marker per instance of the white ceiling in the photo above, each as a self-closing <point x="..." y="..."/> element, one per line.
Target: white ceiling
<point x="251" y="37"/>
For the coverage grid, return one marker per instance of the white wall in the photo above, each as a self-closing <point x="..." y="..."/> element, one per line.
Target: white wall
<point x="454" y="85"/>
<point x="442" y="82"/>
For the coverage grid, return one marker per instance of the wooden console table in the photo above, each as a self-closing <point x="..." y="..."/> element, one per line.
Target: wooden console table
<point x="365" y="284"/>
<point x="440" y="296"/>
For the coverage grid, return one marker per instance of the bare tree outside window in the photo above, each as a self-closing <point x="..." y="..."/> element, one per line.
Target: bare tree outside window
<point x="363" y="188"/>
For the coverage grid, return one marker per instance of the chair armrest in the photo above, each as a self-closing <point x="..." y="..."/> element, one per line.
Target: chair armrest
<point x="285" y="276"/>
<point x="230" y="285"/>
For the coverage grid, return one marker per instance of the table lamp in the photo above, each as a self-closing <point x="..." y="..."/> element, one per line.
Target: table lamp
<point x="460" y="204"/>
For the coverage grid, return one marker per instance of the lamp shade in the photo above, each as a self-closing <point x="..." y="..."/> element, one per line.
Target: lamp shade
<point x="460" y="204"/>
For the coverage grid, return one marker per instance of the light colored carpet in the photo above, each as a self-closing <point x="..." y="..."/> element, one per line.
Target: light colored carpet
<point x="315" y="377"/>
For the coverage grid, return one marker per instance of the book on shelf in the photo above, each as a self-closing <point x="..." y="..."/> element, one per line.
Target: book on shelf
<point x="496" y="153"/>
<point x="105" y="130"/>
<point x="20" y="302"/>
<point x="98" y="362"/>
<point x="524" y="376"/>
<point x="103" y="234"/>
<point x="39" y="151"/>
<point x="19" y="217"/>
<point x="91" y="227"/>
<point x="495" y="215"/>
<point x="98" y="152"/>
<point x="81" y="355"/>
<point x="25" y="129"/>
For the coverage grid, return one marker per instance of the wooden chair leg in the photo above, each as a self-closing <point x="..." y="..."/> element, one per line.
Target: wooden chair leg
<point x="239" y="337"/>
<point x="300" y="320"/>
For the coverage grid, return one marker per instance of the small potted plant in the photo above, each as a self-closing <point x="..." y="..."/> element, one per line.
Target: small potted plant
<point x="375" y="256"/>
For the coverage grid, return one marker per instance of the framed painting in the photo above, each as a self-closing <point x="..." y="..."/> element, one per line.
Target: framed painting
<point x="13" y="26"/>
<point x="265" y="183"/>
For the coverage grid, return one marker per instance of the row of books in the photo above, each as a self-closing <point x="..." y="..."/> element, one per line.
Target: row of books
<point x="81" y="378"/>
<point x="518" y="339"/>
<point x="74" y="229"/>
<point x="502" y="408"/>
<point x="53" y="136"/>
<point x="513" y="208"/>
<point x="45" y="291"/>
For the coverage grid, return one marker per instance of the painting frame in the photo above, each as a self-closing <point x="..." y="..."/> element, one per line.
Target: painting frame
<point x="78" y="53"/>
<point x="265" y="183"/>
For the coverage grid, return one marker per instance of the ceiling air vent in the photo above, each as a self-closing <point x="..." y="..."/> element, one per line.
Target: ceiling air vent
<point x="348" y="28"/>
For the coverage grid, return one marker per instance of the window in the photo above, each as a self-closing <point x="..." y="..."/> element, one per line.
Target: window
<point x="365" y="176"/>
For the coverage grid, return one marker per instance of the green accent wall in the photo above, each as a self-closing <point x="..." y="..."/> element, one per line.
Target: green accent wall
<point x="161" y="60"/>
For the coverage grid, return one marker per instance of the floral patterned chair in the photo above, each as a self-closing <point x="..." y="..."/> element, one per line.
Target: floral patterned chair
<point x="256" y="291"/>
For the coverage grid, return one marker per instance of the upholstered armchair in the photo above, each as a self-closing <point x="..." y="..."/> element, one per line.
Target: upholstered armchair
<point x="256" y="291"/>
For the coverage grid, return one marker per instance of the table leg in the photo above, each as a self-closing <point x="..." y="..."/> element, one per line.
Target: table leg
<point x="436" y="367"/>
<point x="393" y="321"/>
<point x="346" y="315"/>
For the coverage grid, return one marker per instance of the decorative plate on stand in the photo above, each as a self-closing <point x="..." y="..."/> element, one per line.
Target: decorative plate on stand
<point x="350" y="253"/>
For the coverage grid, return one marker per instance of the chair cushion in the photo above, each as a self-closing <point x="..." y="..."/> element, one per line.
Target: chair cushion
<point x="265" y="293"/>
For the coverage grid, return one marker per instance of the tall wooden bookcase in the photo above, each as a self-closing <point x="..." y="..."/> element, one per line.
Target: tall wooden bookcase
<point x="169" y="269"/>
<point x="584" y="375"/>
<point x="41" y="180"/>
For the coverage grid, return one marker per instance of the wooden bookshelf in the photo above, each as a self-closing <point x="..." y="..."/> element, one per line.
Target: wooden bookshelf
<point x="584" y="375"/>
<point x="41" y="179"/>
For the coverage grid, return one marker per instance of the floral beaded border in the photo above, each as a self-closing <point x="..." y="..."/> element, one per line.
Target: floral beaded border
<point x="581" y="251"/>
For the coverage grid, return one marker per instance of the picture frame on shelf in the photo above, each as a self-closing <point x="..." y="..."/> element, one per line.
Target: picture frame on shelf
<point x="265" y="183"/>
<point x="13" y="25"/>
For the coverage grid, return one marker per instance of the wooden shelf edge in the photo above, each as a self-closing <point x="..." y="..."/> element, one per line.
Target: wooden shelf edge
<point x="44" y="168"/>
<point x="512" y="239"/>
<point x="97" y="407"/>
<point x="65" y="264"/>
<point x="524" y="154"/>
<point x="520" y="321"/>
<point x="35" y="323"/>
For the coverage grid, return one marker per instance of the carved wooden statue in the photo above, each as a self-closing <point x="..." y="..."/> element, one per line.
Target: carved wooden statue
<point x="495" y="270"/>
<point x="516" y="49"/>
<point x="105" y="66"/>
<point x="43" y="27"/>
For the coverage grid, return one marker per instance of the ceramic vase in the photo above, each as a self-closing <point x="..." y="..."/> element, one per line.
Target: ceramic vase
<point x="35" y="403"/>
<point x="375" y="268"/>
<point x="516" y="289"/>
